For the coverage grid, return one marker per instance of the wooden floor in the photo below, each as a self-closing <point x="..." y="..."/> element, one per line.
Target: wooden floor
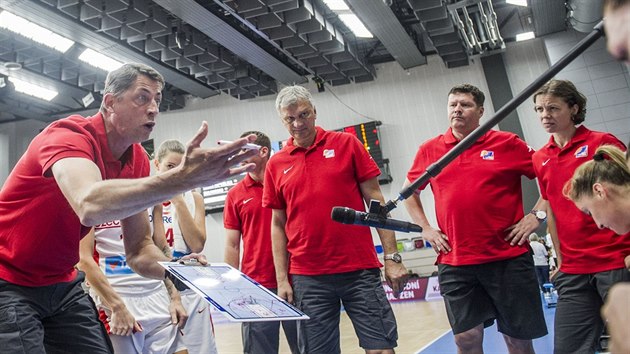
<point x="419" y="323"/>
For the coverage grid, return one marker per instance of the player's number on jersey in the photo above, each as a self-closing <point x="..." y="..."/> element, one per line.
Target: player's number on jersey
<point x="169" y="237"/>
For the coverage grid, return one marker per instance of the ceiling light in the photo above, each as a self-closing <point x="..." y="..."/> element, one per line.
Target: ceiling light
<point x="525" y="36"/>
<point x="12" y="66"/>
<point x="336" y="5"/>
<point x="355" y="25"/>
<point x="33" y="90"/>
<point x="517" y="2"/>
<point x="99" y="60"/>
<point x="33" y="31"/>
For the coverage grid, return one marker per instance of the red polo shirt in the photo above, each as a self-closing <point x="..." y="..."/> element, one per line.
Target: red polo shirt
<point x="583" y="246"/>
<point x="307" y="184"/>
<point x="39" y="231"/>
<point x="243" y="211"/>
<point x="478" y="195"/>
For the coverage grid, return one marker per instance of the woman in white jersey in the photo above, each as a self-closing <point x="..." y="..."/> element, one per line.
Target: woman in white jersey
<point x="185" y="232"/>
<point x="137" y="312"/>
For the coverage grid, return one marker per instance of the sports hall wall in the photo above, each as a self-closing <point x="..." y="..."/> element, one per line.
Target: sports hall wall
<point x="410" y="104"/>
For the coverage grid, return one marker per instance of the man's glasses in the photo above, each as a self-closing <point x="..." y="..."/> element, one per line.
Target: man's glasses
<point x="303" y="117"/>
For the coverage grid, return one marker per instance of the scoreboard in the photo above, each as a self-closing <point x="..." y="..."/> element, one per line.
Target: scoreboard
<point x="367" y="133"/>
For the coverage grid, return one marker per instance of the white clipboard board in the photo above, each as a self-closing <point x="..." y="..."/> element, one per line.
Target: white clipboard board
<point x="238" y="297"/>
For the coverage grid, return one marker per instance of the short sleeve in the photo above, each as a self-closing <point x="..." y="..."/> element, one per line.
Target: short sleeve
<point x="231" y="217"/>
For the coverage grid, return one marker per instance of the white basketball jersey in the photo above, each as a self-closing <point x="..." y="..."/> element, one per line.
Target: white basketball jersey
<point x="174" y="237"/>
<point x="109" y="253"/>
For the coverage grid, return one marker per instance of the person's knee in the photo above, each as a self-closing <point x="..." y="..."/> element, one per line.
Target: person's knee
<point x="470" y="340"/>
<point x="379" y="351"/>
<point x="518" y="345"/>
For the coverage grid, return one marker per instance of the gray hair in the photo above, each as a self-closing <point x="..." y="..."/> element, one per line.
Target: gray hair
<point x="168" y="146"/>
<point x="291" y="95"/>
<point x="120" y="80"/>
<point x="534" y="237"/>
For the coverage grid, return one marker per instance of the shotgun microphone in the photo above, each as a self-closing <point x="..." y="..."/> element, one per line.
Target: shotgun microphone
<point x="350" y="216"/>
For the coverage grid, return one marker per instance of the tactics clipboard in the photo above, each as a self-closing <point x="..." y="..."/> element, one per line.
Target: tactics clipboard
<point x="234" y="294"/>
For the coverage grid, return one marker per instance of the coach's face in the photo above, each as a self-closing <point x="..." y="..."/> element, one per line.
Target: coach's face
<point x="133" y="112"/>
<point x="554" y="113"/>
<point x="617" y="25"/>
<point x="299" y="119"/>
<point x="463" y="114"/>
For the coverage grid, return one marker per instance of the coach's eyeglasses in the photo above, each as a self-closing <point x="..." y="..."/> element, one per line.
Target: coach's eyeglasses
<point x="302" y="116"/>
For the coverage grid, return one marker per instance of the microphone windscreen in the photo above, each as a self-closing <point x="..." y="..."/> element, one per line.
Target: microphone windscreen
<point x="343" y="215"/>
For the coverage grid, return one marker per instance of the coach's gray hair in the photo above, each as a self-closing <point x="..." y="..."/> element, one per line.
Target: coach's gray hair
<point x="291" y="95"/>
<point x="121" y="79"/>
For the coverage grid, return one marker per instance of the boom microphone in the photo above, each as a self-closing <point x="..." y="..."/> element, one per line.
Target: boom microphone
<point x="350" y="216"/>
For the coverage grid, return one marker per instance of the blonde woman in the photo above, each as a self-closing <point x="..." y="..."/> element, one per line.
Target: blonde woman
<point x="185" y="233"/>
<point x="601" y="188"/>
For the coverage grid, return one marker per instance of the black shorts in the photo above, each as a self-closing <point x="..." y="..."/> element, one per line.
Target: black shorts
<point x="578" y="323"/>
<point x="363" y="297"/>
<point x="57" y="318"/>
<point x="505" y="290"/>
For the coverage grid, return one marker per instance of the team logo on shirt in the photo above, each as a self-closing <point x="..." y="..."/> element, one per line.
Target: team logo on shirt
<point x="487" y="155"/>
<point x="117" y="265"/>
<point x="582" y="151"/>
<point x="329" y="153"/>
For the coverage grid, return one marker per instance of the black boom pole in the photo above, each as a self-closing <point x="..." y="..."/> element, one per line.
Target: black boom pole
<point x="435" y="168"/>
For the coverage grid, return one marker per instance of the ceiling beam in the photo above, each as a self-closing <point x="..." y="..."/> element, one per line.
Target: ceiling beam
<point x="382" y="22"/>
<point x="47" y="16"/>
<point x="224" y="34"/>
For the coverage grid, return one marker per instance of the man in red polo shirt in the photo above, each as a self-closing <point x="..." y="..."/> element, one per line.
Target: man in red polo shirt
<point x="485" y="270"/>
<point x="80" y="172"/>
<point x="330" y="263"/>
<point x="245" y="218"/>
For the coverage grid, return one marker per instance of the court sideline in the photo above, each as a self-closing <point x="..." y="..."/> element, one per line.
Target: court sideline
<point x="422" y="328"/>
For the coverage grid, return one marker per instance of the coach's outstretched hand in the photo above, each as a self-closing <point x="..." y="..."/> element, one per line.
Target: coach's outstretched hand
<point x="206" y="166"/>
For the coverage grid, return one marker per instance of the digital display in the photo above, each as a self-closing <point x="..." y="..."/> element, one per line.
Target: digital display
<point x="368" y="135"/>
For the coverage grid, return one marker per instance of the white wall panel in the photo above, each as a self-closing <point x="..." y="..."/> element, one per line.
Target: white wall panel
<point x="17" y="137"/>
<point x="603" y="80"/>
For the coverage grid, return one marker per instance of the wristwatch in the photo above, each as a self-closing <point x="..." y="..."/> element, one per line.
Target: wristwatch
<point x="396" y="257"/>
<point x="540" y="215"/>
